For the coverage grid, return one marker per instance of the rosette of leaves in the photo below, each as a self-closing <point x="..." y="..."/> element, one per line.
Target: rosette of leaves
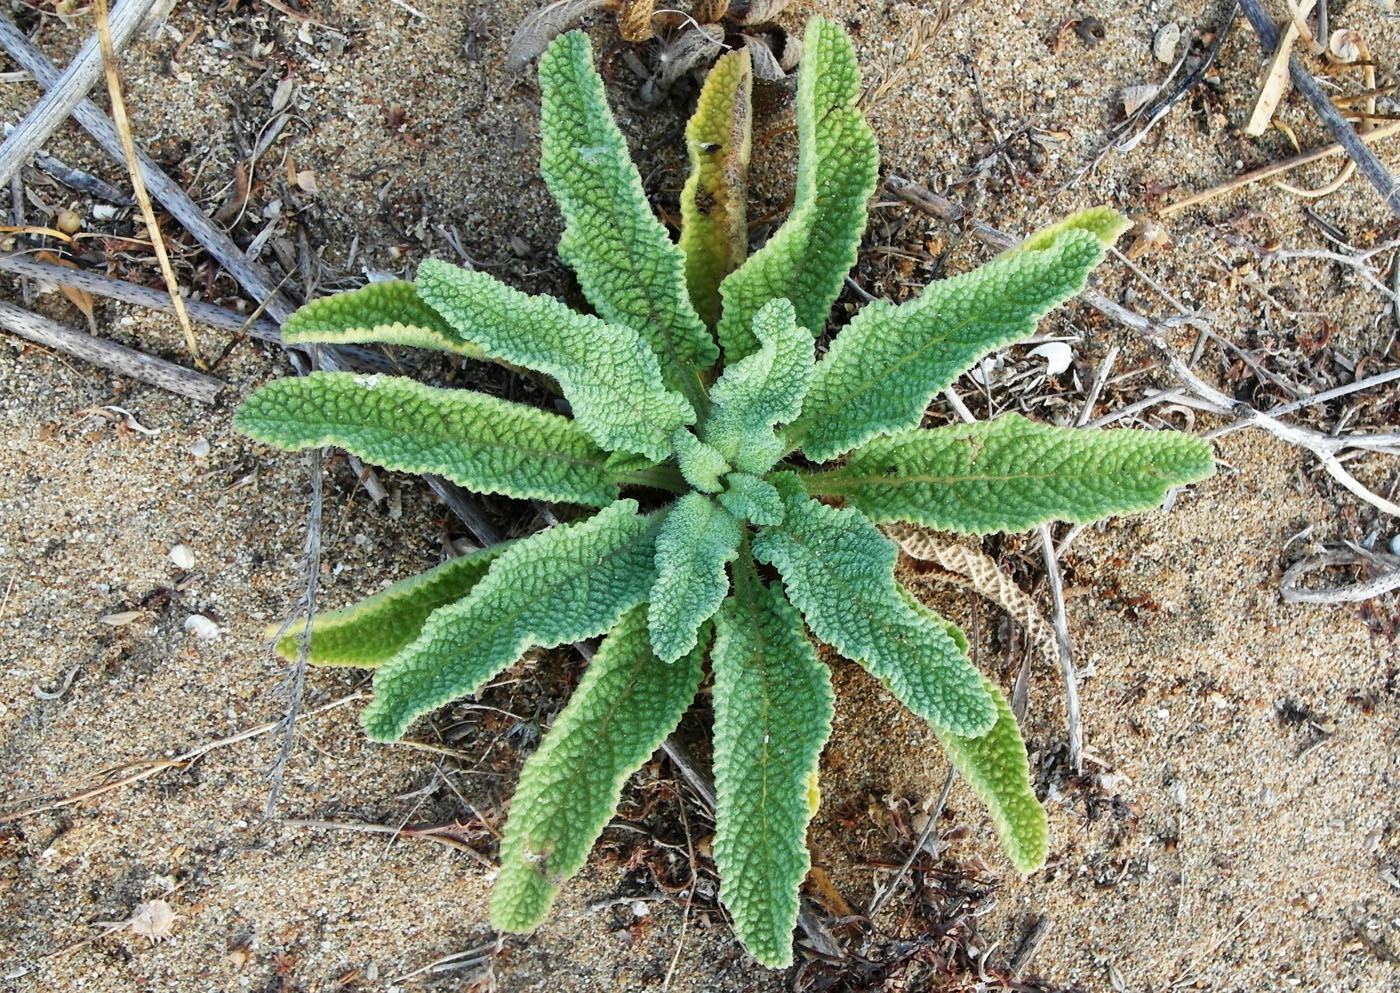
<point x="737" y="482"/>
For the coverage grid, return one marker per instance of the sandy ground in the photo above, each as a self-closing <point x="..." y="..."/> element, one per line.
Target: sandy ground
<point x="1235" y="828"/>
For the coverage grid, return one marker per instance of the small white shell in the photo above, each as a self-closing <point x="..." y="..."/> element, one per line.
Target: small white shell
<point x="1344" y="46"/>
<point x="1057" y="356"/>
<point x="1164" y="43"/>
<point x="201" y="627"/>
<point x="181" y="557"/>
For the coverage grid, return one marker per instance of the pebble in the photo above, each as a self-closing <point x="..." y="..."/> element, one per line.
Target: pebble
<point x="1164" y="43"/>
<point x="1395" y="545"/>
<point x="200" y="449"/>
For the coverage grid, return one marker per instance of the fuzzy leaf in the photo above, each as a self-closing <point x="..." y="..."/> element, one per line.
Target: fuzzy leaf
<point x="628" y="702"/>
<point x="626" y="263"/>
<point x="807" y="258"/>
<point x="570" y="582"/>
<point x="773" y="709"/>
<point x="883" y="369"/>
<point x="750" y="498"/>
<point x="1011" y="474"/>
<point x="700" y="464"/>
<point x="607" y="372"/>
<point x="995" y="766"/>
<point x="483" y="443"/>
<point x="389" y="313"/>
<point x="761" y="390"/>
<point x="839" y="571"/>
<point x="696" y="540"/>
<point x="375" y="629"/>
<point x="714" y="225"/>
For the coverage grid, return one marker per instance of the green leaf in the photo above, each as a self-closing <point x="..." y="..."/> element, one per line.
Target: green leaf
<point x="883" y="369"/>
<point x="995" y="766"/>
<point x="485" y="444"/>
<point x="607" y="372"/>
<point x="375" y="629"/>
<point x="1011" y="474"/>
<point x="839" y="571"/>
<point x="807" y="258"/>
<point x="773" y="709"/>
<point x="389" y="313"/>
<point x="761" y="390"/>
<point x="714" y="225"/>
<point x="697" y="538"/>
<point x="626" y="705"/>
<point x="1104" y="223"/>
<point x="751" y="499"/>
<point x="570" y="582"/>
<point x="626" y="263"/>
<point x="700" y="464"/>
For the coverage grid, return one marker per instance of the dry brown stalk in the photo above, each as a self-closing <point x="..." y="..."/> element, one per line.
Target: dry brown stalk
<point x="114" y="90"/>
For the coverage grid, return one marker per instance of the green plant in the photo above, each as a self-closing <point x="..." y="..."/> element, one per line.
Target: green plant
<point x="731" y="545"/>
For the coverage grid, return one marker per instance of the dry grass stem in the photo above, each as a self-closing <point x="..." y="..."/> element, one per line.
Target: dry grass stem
<point x="114" y="90"/>
<point x="1276" y="169"/>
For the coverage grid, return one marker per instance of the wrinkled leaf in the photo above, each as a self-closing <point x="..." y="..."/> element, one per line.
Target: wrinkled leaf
<point x="1011" y="474"/>
<point x="480" y="442"/>
<point x="807" y="258"/>
<point x="607" y="372"/>
<point x="714" y="224"/>
<point x="696" y="540"/>
<point x="626" y="705"/>
<point x="883" y="369"/>
<point x="571" y="582"/>
<point x="839" y="571"/>
<point x="626" y="263"/>
<point x="773" y="709"/>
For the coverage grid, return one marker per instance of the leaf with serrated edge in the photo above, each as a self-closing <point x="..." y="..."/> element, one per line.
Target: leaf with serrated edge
<point x="388" y="313"/>
<point x="995" y="766"/>
<point x="761" y="390"/>
<point x="375" y="629"/>
<point x="750" y="498"/>
<point x="696" y="540"/>
<point x="606" y="371"/>
<point x="773" y="708"/>
<point x="807" y="258"/>
<point x="626" y="705"/>
<point x="626" y="263"/>
<point x="573" y="581"/>
<point x="714" y="225"/>
<point x="1011" y="474"/>
<point x="839" y="571"/>
<point x="885" y="366"/>
<point x="483" y="443"/>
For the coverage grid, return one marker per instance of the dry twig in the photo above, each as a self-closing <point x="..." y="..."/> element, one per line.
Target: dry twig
<point x="1346" y="136"/>
<point x="109" y="355"/>
<point x="142" y="296"/>
<point x="67" y="91"/>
